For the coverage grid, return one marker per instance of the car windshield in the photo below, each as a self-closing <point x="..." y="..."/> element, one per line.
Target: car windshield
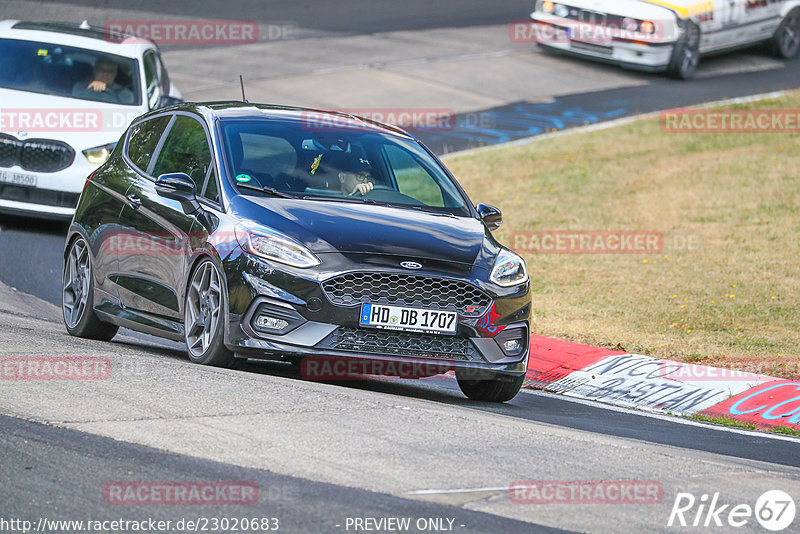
<point x="58" y="70"/>
<point x="356" y="164"/>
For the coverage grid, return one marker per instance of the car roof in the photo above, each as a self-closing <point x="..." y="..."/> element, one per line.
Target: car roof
<point x="339" y="121"/>
<point x="77" y="35"/>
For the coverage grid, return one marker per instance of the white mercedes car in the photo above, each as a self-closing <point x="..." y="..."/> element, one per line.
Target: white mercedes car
<point x="658" y="36"/>
<point x="67" y="93"/>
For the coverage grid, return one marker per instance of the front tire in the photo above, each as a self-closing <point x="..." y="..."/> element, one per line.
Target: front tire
<point x="501" y="388"/>
<point x="786" y="40"/>
<point x="686" y="55"/>
<point x="77" y="296"/>
<point x="204" y="317"/>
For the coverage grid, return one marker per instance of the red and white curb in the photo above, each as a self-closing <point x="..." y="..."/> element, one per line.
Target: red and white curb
<point x="665" y="386"/>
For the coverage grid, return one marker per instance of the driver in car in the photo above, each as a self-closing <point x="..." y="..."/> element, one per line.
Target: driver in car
<point x="355" y="176"/>
<point x="103" y="86"/>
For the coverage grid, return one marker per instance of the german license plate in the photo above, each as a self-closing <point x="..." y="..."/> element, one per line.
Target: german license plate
<point x="16" y="178"/>
<point x="408" y="319"/>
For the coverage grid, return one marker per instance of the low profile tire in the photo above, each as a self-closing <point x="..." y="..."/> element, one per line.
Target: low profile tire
<point x="77" y="296"/>
<point x="502" y="388"/>
<point x="686" y="55"/>
<point x="204" y="317"/>
<point x="786" y="40"/>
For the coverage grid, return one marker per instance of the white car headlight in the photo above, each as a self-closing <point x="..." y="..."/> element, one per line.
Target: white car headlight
<point x="509" y="269"/>
<point x="99" y="154"/>
<point x="561" y="10"/>
<point x="272" y="245"/>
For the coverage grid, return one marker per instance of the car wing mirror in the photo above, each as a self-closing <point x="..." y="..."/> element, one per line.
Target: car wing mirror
<point x="178" y="186"/>
<point x="167" y="100"/>
<point x="491" y="216"/>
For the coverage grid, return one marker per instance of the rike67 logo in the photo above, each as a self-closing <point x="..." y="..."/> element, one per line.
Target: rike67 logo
<point x="774" y="511"/>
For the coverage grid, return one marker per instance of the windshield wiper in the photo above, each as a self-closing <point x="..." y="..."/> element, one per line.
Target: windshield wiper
<point x="426" y="209"/>
<point x="269" y="190"/>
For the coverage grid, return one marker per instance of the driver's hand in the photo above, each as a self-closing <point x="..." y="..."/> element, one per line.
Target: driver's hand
<point x="362" y="189"/>
<point x="97" y="86"/>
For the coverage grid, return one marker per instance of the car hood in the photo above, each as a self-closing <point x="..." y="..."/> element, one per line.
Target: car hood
<point x="80" y="123"/>
<point x="641" y="9"/>
<point x="325" y="226"/>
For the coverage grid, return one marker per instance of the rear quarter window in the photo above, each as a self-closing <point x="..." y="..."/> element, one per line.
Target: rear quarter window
<point x="143" y="140"/>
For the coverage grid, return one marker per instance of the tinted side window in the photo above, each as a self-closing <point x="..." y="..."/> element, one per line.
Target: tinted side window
<point x="412" y="178"/>
<point x="185" y="150"/>
<point x="211" y="192"/>
<point x="143" y="140"/>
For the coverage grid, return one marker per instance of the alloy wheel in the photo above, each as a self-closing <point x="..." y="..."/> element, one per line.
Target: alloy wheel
<point x="790" y="37"/>
<point x="203" y="305"/>
<point x="77" y="275"/>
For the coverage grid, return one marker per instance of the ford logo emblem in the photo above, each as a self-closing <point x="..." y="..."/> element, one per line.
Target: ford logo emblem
<point x="411" y="265"/>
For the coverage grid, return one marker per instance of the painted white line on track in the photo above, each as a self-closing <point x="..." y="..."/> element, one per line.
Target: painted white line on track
<point x="524" y="141"/>
<point x="663" y="417"/>
<point x="468" y="490"/>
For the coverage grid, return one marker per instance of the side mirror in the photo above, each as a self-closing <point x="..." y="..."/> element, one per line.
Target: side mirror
<point x="178" y="186"/>
<point x="167" y="100"/>
<point x="490" y="216"/>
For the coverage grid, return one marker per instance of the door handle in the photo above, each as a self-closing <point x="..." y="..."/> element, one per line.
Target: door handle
<point x="134" y="201"/>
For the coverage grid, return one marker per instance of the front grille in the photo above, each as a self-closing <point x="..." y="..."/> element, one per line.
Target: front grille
<point x="39" y="196"/>
<point x="595" y="17"/>
<point x="35" y="155"/>
<point x="9" y="150"/>
<point x="388" y="343"/>
<point x="407" y="290"/>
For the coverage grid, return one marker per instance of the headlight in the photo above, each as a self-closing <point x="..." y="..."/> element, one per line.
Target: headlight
<point x="561" y="11"/>
<point x="509" y="269"/>
<point x="272" y="245"/>
<point x="647" y="27"/>
<point x="630" y="24"/>
<point x="99" y="154"/>
<point x="548" y="6"/>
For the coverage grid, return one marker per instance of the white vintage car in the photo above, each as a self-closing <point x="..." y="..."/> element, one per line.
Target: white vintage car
<point x="657" y="36"/>
<point x="67" y="93"/>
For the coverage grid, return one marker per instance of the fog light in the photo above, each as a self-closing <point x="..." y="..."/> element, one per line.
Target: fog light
<point x="271" y="323"/>
<point x="513" y="341"/>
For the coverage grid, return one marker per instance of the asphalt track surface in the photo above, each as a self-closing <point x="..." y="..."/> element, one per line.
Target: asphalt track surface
<point x="524" y="119"/>
<point x="82" y="464"/>
<point x="352" y="17"/>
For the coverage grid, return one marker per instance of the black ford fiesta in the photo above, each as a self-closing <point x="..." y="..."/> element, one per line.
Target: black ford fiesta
<point x="253" y="231"/>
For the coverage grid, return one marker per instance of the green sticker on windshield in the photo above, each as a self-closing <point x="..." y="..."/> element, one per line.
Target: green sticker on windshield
<point x="244" y="178"/>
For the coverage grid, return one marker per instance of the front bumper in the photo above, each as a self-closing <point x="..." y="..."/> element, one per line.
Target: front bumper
<point x="647" y="57"/>
<point x="318" y="327"/>
<point x="55" y="195"/>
